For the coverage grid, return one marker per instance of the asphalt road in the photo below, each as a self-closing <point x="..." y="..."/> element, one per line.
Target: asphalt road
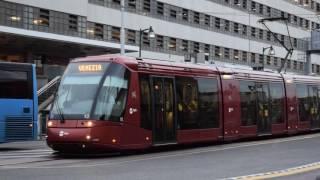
<point x="34" y="161"/>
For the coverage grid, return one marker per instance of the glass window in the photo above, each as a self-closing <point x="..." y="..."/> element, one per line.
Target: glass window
<point x="187" y="97"/>
<point x="304" y="106"/>
<point x="112" y="96"/>
<point x="74" y="101"/>
<point x="145" y="95"/>
<point x="277" y="102"/>
<point x="208" y="103"/>
<point x="248" y="99"/>
<point x="14" y="85"/>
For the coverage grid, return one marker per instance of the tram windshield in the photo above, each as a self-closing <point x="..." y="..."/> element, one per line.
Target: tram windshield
<point x="92" y="90"/>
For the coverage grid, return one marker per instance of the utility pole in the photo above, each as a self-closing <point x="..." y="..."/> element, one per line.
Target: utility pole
<point x="122" y="31"/>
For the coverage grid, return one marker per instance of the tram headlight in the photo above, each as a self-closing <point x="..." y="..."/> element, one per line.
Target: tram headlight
<point x="89" y="123"/>
<point x="88" y="137"/>
<point x="50" y="123"/>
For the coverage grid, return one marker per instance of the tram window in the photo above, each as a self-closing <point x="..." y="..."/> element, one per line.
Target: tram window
<point x="208" y="103"/>
<point x="112" y="96"/>
<point x="277" y="102"/>
<point x="304" y="106"/>
<point x="14" y="85"/>
<point x="145" y="102"/>
<point x="313" y="100"/>
<point x="187" y="96"/>
<point x="248" y="98"/>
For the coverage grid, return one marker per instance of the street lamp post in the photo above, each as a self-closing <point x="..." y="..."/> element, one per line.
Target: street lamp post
<point x="122" y="31"/>
<point x="151" y="35"/>
<point x="270" y="53"/>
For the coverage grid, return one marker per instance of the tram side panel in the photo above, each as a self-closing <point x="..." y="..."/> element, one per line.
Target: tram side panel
<point x="292" y="108"/>
<point x="231" y="108"/>
<point x="133" y="136"/>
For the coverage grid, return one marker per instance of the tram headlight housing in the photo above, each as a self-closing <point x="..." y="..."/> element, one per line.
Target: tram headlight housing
<point x="89" y="123"/>
<point x="50" y="123"/>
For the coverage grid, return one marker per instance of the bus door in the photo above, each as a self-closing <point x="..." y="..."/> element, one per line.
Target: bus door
<point x="163" y="114"/>
<point x="314" y="105"/>
<point x="263" y="109"/>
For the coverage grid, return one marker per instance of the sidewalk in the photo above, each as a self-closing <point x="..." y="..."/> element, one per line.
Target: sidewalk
<point x="23" y="145"/>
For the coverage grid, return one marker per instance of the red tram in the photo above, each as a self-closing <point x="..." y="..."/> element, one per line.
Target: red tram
<point x="121" y="103"/>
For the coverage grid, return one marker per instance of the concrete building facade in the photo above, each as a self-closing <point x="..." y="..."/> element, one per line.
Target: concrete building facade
<point x="226" y="31"/>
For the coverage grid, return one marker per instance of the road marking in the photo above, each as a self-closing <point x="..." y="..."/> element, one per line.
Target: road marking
<point x="138" y="159"/>
<point x="280" y="173"/>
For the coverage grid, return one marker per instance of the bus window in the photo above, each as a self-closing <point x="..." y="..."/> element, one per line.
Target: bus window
<point x="277" y="102"/>
<point x="248" y="98"/>
<point x="145" y="102"/>
<point x="304" y="106"/>
<point x="208" y="103"/>
<point x="187" y="96"/>
<point x="14" y="85"/>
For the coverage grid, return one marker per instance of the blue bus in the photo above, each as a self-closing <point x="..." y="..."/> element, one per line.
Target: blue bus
<point x="18" y="102"/>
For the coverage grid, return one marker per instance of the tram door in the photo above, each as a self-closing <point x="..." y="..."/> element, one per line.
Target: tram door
<point x="314" y="105"/>
<point x="164" y="120"/>
<point x="263" y="109"/>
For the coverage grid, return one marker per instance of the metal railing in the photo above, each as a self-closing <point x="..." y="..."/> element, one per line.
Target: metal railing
<point x="46" y="93"/>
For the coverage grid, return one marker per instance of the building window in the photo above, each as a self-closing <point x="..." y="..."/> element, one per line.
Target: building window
<point x="260" y="9"/>
<point x="244" y="56"/>
<point x="244" y="30"/>
<point x="235" y="27"/>
<point x="196" y="17"/>
<point x="184" y="45"/>
<point x="275" y="61"/>
<point x="132" y="4"/>
<point x="44" y="18"/>
<point x="268" y="11"/>
<point x="268" y="36"/>
<point x="185" y="14"/>
<point x="196" y="47"/>
<point x="226" y="25"/>
<point x="207" y="20"/>
<point x="261" y="34"/>
<point x="217" y="23"/>
<point x="159" y="41"/>
<point x="244" y="4"/>
<point x="217" y="52"/>
<point x="172" y="44"/>
<point x="98" y="31"/>
<point x="301" y="65"/>
<point x="131" y="36"/>
<point x="253" y="6"/>
<point x="146" y="5"/>
<point x="160" y="8"/>
<point x="207" y="49"/>
<point x="268" y="60"/>
<point x="235" y="54"/>
<point x="253" y="32"/>
<point x="261" y="59"/>
<point x="145" y="39"/>
<point x="73" y="22"/>
<point x="116" y="2"/>
<point x="253" y="58"/>
<point x="227" y="53"/>
<point x="173" y="13"/>
<point x="115" y="34"/>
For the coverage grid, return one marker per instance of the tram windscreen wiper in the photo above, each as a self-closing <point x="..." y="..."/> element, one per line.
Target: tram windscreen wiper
<point x="59" y="111"/>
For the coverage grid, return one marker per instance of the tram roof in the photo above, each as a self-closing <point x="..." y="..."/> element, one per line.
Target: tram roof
<point x="152" y="65"/>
